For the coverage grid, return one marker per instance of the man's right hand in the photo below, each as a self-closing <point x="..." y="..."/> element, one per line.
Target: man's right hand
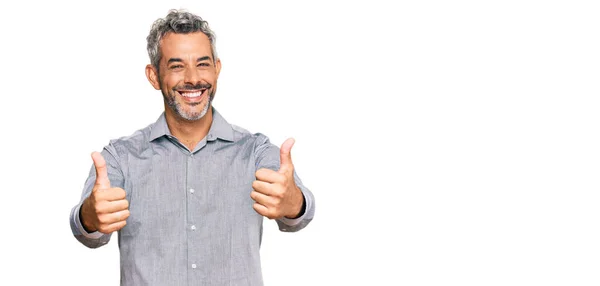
<point x="106" y="209"/>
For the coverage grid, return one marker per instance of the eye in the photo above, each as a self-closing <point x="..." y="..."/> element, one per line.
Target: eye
<point x="176" y="67"/>
<point x="203" y="64"/>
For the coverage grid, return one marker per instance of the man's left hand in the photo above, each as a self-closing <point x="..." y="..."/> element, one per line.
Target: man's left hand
<point x="275" y="192"/>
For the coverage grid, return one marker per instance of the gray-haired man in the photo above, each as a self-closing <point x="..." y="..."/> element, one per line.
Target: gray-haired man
<point x="188" y="193"/>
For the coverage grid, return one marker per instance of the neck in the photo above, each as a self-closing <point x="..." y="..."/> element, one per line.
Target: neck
<point x="189" y="132"/>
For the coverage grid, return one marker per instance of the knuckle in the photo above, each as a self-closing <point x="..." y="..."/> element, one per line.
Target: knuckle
<point x="278" y="194"/>
<point x="102" y="206"/>
<point x="262" y="172"/>
<point x="121" y="193"/>
<point x="116" y="192"/>
<point x="95" y="194"/>
<point x="274" y="198"/>
<point x="257" y="207"/>
<point x="103" y="219"/>
<point x="97" y="206"/>
<point x="272" y="213"/>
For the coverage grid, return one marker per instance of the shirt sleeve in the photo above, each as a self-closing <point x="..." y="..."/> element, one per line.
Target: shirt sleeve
<point x="115" y="175"/>
<point x="267" y="156"/>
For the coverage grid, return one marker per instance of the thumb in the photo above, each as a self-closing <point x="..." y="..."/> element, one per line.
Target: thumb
<point x="286" y="155"/>
<point x="101" y="173"/>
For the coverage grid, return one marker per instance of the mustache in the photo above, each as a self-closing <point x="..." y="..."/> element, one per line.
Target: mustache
<point x="193" y="87"/>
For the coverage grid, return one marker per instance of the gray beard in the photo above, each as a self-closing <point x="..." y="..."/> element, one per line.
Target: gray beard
<point x="191" y="116"/>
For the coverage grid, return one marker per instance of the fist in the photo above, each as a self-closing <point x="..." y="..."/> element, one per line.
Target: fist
<point x="275" y="192"/>
<point x="106" y="209"/>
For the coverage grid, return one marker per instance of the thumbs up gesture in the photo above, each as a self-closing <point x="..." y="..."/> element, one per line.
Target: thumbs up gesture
<point x="275" y="192"/>
<point x="106" y="209"/>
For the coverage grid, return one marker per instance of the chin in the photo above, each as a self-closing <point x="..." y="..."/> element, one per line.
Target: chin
<point x="196" y="114"/>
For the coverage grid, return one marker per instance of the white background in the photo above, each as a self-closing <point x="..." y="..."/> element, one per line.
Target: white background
<point x="446" y="142"/>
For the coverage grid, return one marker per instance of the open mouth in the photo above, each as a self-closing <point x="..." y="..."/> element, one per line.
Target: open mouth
<point x="192" y="95"/>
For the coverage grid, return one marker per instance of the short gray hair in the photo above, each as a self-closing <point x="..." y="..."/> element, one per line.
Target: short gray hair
<point x="179" y="22"/>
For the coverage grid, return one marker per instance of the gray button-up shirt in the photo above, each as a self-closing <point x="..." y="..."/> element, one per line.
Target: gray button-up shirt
<point x="192" y="221"/>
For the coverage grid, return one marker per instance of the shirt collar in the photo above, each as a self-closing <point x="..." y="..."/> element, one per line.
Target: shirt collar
<point x="219" y="128"/>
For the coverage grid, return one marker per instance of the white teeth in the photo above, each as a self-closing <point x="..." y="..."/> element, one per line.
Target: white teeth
<point x="191" y="94"/>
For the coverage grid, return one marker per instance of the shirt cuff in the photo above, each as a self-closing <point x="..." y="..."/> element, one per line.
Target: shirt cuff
<point x="296" y="221"/>
<point x="292" y="221"/>
<point x="93" y="235"/>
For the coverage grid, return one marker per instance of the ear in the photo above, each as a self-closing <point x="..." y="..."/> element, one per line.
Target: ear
<point x="152" y="76"/>
<point x="218" y="66"/>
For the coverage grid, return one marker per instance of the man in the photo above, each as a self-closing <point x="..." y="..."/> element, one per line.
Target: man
<point x="188" y="193"/>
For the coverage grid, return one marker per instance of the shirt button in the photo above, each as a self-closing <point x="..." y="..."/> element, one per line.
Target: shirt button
<point x="192" y="191"/>
<point x="194" y="266"/>
<point x="193" y="227"/>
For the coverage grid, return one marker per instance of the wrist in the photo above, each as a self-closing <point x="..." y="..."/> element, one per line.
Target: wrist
<point x="83" y="213"/>
<point x="298" y="212"/>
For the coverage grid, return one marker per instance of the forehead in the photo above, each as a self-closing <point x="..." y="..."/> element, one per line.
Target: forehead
<point x="185" y="45"/>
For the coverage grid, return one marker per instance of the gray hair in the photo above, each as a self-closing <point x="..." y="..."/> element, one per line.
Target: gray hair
<point x="179" y="22"/>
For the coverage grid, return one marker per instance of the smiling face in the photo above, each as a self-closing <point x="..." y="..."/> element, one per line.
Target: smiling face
<point x="187" y="75"/>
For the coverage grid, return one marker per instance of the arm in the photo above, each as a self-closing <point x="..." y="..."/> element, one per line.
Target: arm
<point x="87" y="233"/>
<point x="273" y="163"/>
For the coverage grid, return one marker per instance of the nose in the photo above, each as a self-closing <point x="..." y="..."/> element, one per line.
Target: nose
<point x="191" y="76"/>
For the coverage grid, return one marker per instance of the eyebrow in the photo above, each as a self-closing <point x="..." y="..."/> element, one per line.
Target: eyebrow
<point x="173" y="60"/>
<point x="178" y="60"/>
